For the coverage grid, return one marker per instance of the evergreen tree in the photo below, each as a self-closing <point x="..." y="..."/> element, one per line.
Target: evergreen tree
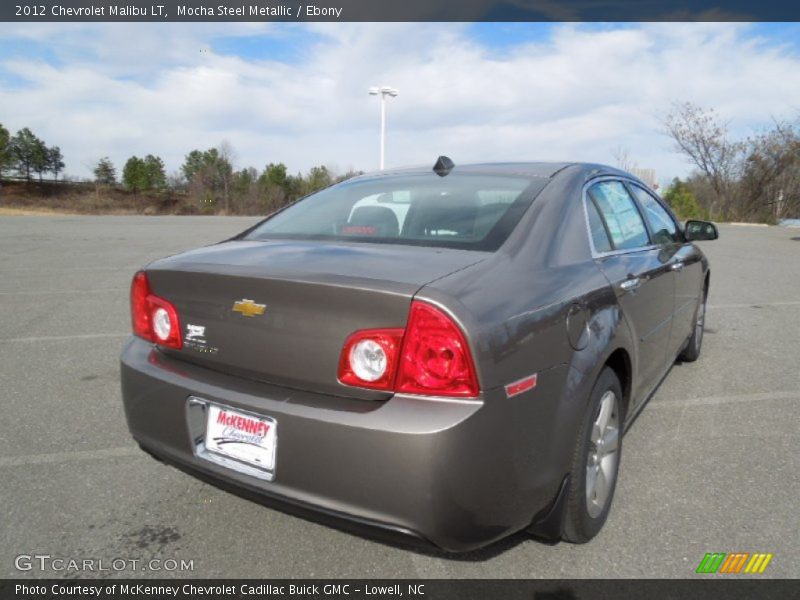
<point x="55" y="161"/>
<point x="6" y="155"/>
<point x="28" y="152"/>
<point x="105" y="172"/>
<point x="682" y="200"/>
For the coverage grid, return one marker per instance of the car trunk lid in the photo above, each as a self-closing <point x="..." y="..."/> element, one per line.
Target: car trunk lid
<point x="280" y="311"/>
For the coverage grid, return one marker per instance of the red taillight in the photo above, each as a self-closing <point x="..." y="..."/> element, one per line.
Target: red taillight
<point x="430" y="357"/>
<point x="140" y="316"/>
<point x="152" y="317"/>
<point x="435" y="359"/>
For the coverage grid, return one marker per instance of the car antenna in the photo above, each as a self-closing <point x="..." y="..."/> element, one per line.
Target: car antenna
<point x="443" y="166"/>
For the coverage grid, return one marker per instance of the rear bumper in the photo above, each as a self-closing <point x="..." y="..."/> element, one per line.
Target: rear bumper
<point x="455" y="474"/>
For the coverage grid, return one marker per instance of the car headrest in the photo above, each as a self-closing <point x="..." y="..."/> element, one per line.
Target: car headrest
<point x="378" y="221"/>
<point x="442" y="214"/>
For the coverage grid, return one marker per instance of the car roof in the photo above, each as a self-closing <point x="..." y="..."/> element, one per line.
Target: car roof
<point x="537" y="170"/>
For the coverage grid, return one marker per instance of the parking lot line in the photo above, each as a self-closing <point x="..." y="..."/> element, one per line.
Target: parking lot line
<point x="52" y="338"/>
<point x="69" y="457"/>
<point x="758" y="304"/>
<point x="41" y="292"/>
<point x="718" y="400"/>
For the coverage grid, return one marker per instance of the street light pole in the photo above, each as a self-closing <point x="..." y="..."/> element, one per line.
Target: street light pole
<point x="383" y="91"/>
<point x="383" y="128"/>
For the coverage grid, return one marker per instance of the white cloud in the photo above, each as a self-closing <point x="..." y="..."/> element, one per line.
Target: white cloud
<point x="130" y="89"/>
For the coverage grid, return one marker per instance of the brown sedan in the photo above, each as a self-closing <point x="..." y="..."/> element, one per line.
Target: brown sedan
<point x="446" y="355"/>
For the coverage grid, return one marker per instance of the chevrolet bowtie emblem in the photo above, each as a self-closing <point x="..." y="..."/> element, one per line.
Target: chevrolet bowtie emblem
<point x="248" y="308"/>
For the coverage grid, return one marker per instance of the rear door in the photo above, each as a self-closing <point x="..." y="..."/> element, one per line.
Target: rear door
<point x="639" y="272"/>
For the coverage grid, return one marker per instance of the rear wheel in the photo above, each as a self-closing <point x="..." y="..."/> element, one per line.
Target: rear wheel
<point x="692" y="351"/>
<point x="595" y="462"/>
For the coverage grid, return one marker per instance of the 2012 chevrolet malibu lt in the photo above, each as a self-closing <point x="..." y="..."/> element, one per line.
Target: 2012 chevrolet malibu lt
<point x="445" y="355"/>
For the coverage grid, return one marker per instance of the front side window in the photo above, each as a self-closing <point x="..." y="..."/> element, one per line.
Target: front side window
<point x="661" y="224"/>
<point x="467" y="210"/>
<point x="619" y="213"/>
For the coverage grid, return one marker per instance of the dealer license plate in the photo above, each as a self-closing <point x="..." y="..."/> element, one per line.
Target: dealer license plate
<point x="245" y="437"/>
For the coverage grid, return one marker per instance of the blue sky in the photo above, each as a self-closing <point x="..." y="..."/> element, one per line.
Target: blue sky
<point x="296" y="93"/>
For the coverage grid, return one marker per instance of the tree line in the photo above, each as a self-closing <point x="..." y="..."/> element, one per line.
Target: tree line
<point x="27" y="155"/>
<point x="752" y="179"/>
<point x="210" y="180"/>
<point x="207" y="178"/>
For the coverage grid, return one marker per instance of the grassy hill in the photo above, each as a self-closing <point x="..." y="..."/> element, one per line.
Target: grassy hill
<point x="88" y="198"/>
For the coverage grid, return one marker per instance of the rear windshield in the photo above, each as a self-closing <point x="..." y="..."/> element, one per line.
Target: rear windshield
<point x="468" y="211"/>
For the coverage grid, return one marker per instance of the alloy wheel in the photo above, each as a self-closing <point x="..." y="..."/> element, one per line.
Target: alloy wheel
<point x="699" y="325"/>
<point x="603" y="455"/>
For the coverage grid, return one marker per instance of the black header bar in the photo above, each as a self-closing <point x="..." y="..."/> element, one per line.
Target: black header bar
<point x="702" y="587"/>
<point x="399" y="10"/>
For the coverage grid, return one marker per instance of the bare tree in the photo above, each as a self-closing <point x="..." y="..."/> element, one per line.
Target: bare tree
<point x="622" y="157"/>
<point x="225" y="170"/>
<point x="702" y="137"/>
<point x="771" y="175"/>
<point x="755" y="179"/>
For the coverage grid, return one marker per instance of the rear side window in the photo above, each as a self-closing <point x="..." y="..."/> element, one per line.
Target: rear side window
<point x="619" y="214"/>
<point x="662" y="226"/>
<point x="463" y="210"/>
<point x="597" y="229"/>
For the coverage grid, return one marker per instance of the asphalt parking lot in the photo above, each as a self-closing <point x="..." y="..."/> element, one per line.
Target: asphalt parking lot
<point x="711" y="465"/>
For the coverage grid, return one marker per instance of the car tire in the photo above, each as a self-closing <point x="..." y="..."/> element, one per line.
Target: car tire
<point x="595" y="461"/>
<point x="692" y="351"/>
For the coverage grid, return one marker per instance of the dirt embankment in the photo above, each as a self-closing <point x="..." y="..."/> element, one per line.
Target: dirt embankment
<point x="20" y="197"/>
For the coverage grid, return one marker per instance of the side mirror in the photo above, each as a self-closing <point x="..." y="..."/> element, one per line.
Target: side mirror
<point x="698" y="231"/>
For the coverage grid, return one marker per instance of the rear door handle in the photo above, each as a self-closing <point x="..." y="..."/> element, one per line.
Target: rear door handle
<point x="630" y="284"/>
<point x="676" y="266"/>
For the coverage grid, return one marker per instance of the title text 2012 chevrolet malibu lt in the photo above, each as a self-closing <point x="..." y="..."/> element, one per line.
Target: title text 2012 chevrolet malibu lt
<point x="448" y="354"/>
